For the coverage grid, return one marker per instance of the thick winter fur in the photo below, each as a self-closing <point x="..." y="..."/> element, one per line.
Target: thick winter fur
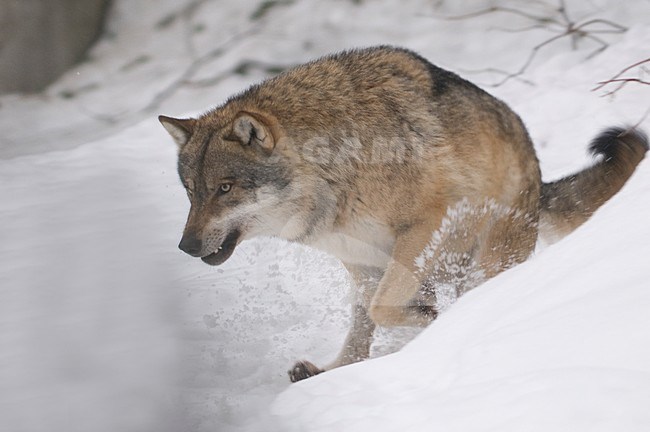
<point x="568" y="202"/>
<point x="420" y="182"/>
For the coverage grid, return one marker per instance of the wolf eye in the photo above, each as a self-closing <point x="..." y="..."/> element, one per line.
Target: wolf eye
<point x="225" y="188"/>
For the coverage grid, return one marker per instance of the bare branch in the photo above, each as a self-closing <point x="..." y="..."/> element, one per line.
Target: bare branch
<point x="616" y="28"/>
<point x="642" y="119"/>
<point x="632" y="66"/>
<point x="567" y="29"/>
<point x="493" y="9"/>
<point x="522" y="29"/>
<point x="529" y="60"/>
<point x="626" y="80"/>
<point x="494" y="71"/>
<point x="620" y="82"/>
<point x="563" y="11"/>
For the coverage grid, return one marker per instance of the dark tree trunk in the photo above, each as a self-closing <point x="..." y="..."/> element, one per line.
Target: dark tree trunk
<point x="41" y="39"/>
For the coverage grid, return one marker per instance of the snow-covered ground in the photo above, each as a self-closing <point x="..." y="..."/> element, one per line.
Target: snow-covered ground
<point x="106" y="326"/>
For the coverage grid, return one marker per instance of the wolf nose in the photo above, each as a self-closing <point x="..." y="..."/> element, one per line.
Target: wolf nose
<point x="191" y="246"/>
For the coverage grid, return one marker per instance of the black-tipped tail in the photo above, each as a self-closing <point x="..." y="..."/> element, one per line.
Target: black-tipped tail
<point x="617" y="144"/>
<point x="569" y="202"/>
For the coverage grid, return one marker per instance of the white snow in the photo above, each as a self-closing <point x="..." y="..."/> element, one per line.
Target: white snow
<point x="106" y="326"/>
<point x="558" y="343"/>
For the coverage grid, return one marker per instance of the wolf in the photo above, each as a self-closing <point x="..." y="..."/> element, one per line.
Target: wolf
<point x="420" y="182"/>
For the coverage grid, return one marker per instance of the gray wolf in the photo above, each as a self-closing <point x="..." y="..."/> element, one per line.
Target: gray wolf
<point x="417" y="180"/>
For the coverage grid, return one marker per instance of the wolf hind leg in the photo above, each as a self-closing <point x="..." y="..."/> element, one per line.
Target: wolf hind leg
<point x="394" y="302"/>
<point x="510" y="241"/>
<point x="430" y="262"/>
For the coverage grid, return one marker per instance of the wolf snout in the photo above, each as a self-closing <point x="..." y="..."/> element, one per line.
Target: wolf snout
<point x="191" y="246"/>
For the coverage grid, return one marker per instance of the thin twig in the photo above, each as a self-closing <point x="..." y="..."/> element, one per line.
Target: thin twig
<point x="494" y="9"/>
<point x="522" y="29"/>
<point x="620" y="82"/>
<point x="529" y="60"/>
<point x="629" y="80"/>
<point x="495" y="71"/>
<point x="617" y="27"/>
<point x="642" y="119"/>
<point x="568" y="28"/>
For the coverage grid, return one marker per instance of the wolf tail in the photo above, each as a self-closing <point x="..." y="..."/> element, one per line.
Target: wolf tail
<point x="567" y="203"/>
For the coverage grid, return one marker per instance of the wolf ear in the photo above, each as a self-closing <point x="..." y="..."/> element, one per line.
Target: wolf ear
<point x="180" y="129"/>
<point x="252" y="130"/>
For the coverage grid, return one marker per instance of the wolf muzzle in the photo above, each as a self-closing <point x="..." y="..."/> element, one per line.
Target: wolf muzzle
<point x="193" y="246"/>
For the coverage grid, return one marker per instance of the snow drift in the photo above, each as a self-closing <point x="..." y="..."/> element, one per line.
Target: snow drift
<point x="106" y="326"/>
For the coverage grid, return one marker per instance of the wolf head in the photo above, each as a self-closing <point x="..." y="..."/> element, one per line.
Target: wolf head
<point x="239" y="183"/>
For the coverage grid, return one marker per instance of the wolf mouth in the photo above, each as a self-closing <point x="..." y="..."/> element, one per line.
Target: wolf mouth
<point x="224" y="251"/>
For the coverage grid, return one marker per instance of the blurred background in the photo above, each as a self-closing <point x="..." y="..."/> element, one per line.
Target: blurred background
<point x="41" y="40"/>
<point x="104" y="324"/>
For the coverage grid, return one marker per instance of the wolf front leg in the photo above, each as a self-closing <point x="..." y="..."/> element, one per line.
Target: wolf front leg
<point x="359" y="339"/>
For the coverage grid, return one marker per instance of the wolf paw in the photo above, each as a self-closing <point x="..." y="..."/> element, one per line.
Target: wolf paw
<point x="302" y="370"/>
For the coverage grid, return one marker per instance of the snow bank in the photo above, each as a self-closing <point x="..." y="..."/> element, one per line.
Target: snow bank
<point x="559" y="343"/>
<point x="88" y="312"/>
